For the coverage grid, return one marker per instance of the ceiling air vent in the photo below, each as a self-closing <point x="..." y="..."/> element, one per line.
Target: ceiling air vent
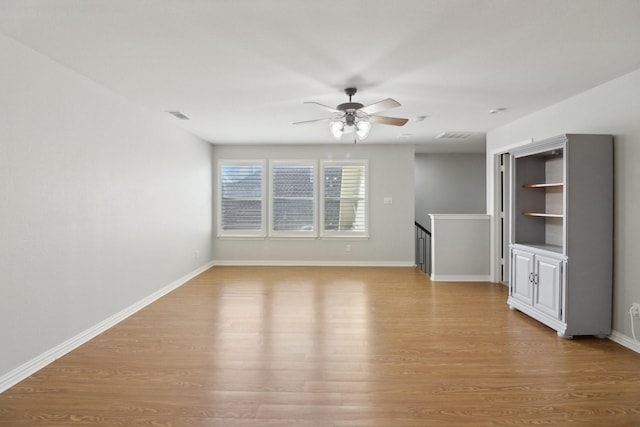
<point x="455" y="135"/>
<point x="178" y="115"/>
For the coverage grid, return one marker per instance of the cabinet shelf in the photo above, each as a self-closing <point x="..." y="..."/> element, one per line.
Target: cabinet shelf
<point x="545" y="185"/>
<point x="543" y="215"/>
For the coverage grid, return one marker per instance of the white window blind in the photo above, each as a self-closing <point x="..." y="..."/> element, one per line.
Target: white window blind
<point x="241" y="198"/>
<point x="344" y="207"/>
<point x="293" y="199"/>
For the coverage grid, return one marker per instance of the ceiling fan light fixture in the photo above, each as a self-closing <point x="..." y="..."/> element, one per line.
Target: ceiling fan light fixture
<point x="363" y="128"/>
<point x="354" y="117"/>
<point x="337" y="129"/>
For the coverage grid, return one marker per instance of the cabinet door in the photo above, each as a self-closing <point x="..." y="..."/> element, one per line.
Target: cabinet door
<point x="521" y="276"/>
<point x="548" y="285"/>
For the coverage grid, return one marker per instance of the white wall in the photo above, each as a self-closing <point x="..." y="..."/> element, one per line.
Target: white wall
<point x="449" y="184"/>
<point x="101" y="204"/>
<point x="391" y="239"/>
<point x="460" y="247"/>
<point x="612" y="108"/>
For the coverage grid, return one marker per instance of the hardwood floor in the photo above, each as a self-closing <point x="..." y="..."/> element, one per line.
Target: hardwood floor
<point x="337" y="347"/>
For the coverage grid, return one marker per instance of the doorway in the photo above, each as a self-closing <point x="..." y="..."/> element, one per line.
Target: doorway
<point x="502" y="177"/>
<point x="503" y="216"/>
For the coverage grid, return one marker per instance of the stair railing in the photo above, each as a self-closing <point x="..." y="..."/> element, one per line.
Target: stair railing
<point x="423" y="248"/>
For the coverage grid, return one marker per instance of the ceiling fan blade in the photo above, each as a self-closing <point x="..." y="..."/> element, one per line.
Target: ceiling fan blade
<point x="394" y="121"/>
<point x="385" y="104"/>
<point x="326" y="107"/>
<point x="311" y="121"/>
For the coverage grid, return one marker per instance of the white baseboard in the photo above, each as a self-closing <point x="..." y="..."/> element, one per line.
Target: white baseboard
<point x="23" y="371"/>
<point x="625" y="341"/>
<point x="460" y="278"/>
<point x="285" y="263"/>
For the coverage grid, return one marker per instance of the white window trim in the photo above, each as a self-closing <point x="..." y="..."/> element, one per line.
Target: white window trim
<point x="241" y="234"/>
<point x="289" y="234"/>
<point x="331" y="234"/>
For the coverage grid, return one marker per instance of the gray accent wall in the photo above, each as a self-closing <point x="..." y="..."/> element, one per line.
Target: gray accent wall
<point x="449" y="184"/>
<point x="391" y="230"/>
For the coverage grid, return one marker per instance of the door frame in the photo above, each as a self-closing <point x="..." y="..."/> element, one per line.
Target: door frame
<point x="501" y="223"/>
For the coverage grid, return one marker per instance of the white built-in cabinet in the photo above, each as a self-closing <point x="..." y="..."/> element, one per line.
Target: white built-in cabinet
<point x="561" y="243"/>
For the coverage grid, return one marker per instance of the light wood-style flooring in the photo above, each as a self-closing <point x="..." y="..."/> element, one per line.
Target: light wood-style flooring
<point x="336" y="347"/>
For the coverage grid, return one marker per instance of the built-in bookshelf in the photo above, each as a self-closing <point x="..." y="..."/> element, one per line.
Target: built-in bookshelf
<point x="561" y="247"/>
<point x="540" y="199"/>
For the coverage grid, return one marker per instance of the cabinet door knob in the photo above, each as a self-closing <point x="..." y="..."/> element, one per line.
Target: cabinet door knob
<point x="531" y="277"/>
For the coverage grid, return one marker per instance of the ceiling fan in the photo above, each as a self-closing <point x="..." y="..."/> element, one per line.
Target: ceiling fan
<point x="354" y="117"/>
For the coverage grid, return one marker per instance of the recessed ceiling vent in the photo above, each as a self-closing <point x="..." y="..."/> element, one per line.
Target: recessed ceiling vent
<point x="178" y="115"/>
<point x="455" y="135"/>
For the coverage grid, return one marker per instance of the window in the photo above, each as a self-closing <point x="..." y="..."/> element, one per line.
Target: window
<point x="294" y="202"/>
<point x="241" y="198"/>
<point x="344" y="195"/>
<point x="293" y="199"/>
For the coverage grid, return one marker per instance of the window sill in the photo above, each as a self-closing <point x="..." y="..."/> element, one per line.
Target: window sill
<point x="241" y="237"/>
<point x="346" y="237"/>
<point x="292" y="237"/>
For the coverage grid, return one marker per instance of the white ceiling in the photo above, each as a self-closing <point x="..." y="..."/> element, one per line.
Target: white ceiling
<point x="241" y="69"/>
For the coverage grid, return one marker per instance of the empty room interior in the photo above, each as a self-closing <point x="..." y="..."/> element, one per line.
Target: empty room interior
<point x="336" y="213"/>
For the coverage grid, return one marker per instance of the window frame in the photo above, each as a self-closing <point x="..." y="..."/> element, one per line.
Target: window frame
<point x="242" y="233"/>
<point x="293" y="234"/>
<point x="343" y="234"/>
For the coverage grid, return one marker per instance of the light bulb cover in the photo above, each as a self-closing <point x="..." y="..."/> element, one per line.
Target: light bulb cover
<point x="337" y="128"/>
<point x="363" y="129"/>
